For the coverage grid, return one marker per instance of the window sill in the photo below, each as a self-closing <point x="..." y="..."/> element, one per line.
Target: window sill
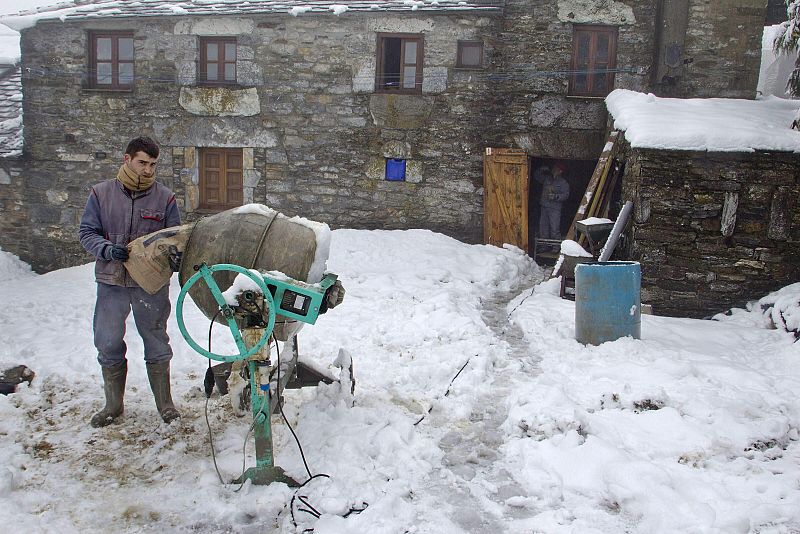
<point x="587" y="97"/>
<point x="107" y="90"/>
<point x="207" y="85"/>
<point x="379" y="92"/>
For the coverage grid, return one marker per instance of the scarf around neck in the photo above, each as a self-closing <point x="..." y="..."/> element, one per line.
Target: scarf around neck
<point x="133" y="181"/>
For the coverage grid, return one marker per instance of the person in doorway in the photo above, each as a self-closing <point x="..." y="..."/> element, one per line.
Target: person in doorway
<point x="555" y="190"/>
<point x="118" y="211"/>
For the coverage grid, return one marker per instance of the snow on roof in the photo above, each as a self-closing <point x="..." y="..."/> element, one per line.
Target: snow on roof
<point x="9" y="46"/>
<point x="712" y="124"/>
<point x="10" y="112"/>
<point x="82" y="9"/>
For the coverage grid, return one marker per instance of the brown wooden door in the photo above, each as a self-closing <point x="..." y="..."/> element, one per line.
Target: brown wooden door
<point x="505" y="197"/>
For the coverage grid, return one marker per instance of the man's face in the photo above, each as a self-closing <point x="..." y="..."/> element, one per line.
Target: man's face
<point x="142" y="164"/>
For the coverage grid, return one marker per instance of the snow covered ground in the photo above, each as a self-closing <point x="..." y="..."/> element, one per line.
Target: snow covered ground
<point x="693" y="428"/>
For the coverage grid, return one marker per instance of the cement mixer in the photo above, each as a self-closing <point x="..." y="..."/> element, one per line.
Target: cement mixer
<point x="263" y="275"/>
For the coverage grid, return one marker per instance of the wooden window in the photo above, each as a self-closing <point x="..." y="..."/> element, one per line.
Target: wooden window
<point x="470" y="55"/>
<point x="594" y="57"/>
<point x="217" y="61"/>
<point x="111" y="60"/>
<point x="399" y="63"/>
<point x="220" y="178"/>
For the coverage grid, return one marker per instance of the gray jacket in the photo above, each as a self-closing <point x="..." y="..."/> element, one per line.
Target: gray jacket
<point x="114" y="215"/>
<point x="555" y="190"/>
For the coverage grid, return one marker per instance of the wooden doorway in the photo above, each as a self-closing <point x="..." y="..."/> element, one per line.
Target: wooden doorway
<point x="505" y="197"/>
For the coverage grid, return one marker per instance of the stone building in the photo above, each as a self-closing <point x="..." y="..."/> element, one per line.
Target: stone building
<point x="695" y="264"/>
<point x="360" y="114"/>
<point x="716" y="202"/>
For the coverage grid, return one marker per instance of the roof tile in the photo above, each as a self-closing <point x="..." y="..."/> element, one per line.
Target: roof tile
<point x="81" y="9"/>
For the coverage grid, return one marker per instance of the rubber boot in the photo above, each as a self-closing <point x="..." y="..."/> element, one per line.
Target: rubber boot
<point x="114" y="388"/>
<point x="158" y="374"/>
<point x="221" y="373"/>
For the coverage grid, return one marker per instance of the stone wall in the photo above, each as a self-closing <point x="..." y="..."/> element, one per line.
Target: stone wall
<point x="712" y="230"/>
<point x="531" y="97"/>
<point x="708" y="48"/>
<point x="314" y="133"/>
<point x="724" y="56"/>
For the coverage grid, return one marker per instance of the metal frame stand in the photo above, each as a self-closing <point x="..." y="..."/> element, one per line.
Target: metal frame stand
<point x="539" y="242"/>
<point x="260" y="367"/>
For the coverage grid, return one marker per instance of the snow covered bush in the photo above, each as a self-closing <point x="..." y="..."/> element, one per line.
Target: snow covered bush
<point x="781" y="309"/>
<point x="777" y="310"/>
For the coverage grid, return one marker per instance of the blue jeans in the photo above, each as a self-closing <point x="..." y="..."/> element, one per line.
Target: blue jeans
<point x="150" y="313"/>
<point x="550" y="222"/>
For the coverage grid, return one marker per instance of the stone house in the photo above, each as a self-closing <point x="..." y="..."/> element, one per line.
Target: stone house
<point x="360" y="114"/>
<point x="716" y="202"/>
<point x="695" y="260"/>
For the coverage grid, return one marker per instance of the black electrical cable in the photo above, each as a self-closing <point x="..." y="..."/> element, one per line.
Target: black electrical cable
<point x="313" y="511"/>
<point x="520" y="302"/>
<point x="208" y="424"/>
<point x="309" y="508"/>
<point x="291" y="504"/>
<point x="303" y="498"/>
<point x="280" y="407"/>
<point x="446" y="393"/>
<point x="208" y="396"/>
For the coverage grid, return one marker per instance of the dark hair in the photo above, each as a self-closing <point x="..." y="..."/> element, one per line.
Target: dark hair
<point x="143" y="144"/>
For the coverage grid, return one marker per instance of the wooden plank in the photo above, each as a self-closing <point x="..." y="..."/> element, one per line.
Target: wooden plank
<point x="600" y="172"/>
<point x="506" y="197"/>
<point x="608" y="192"/>
<point x="506" y="158"/>
<point x="505" y="151"/>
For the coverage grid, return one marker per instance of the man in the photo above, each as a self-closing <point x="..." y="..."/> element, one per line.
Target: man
<point x="118" y="211"/>
<point x="555" y="190"/>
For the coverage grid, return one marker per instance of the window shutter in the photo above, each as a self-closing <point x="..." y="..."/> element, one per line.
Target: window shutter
<point x="221" y="178"/>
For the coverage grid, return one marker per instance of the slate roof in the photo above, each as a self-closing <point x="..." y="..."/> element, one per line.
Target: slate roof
<point x="83" y="9"/>
<point x="10" y="111"/>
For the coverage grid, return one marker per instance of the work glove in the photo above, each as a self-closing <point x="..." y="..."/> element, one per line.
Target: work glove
<point x="174" y="257"/>
<point x="117" y="252"/>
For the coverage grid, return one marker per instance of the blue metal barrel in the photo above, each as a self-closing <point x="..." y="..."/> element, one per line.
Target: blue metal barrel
<point x="607" y="301"/>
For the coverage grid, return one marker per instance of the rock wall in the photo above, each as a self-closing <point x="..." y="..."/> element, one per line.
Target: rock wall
<point x="314" y="133"/>
<point x="712" y="230"/>
<point x="722" y="49"/>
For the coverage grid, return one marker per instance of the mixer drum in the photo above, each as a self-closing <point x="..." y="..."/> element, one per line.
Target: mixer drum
<point x="255" y="238"/>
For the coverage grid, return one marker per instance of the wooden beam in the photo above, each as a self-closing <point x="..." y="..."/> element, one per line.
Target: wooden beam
<point x="595" y="182"/>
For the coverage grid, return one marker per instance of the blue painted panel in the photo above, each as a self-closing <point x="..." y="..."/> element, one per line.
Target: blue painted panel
<point x="395" y="170"/>
<point x="607" y="301"/>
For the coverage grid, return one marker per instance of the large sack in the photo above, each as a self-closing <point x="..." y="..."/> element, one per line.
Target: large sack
<point x="149" y="262"/>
